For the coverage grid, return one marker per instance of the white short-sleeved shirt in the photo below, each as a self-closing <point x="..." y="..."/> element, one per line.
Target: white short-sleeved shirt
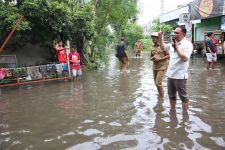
<point x="178" y="68"/>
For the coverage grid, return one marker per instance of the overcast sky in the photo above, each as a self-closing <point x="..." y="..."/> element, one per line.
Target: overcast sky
<point x="149" y="9"/>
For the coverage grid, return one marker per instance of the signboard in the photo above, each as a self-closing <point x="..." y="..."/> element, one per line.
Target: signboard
<point x="185" y="17"/>
<point x="188" y="26"/>
<point x="8" y="61"/>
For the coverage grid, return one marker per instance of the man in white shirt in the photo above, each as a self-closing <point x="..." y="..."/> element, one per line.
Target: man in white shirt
<point x="180" y="51"/>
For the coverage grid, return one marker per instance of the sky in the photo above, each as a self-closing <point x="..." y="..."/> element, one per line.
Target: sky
<point x="149" y="9"/>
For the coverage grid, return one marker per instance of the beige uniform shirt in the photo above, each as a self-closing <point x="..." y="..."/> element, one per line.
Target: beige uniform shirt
<point x="162" y="64"/>
<point x="138" y="46"/>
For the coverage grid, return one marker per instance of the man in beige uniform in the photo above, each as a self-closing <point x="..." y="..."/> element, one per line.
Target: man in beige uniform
<point x="138" y="48"/>
<point x="159" y="58"/>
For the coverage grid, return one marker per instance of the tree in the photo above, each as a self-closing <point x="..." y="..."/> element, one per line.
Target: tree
<point x="132" y="32"/>
<point x="8" y="16"/>
<point x="115" y="13"/>
<point x="157" y="26"/>
<point x="46" y="21"/>
<point x="82" y="22"/>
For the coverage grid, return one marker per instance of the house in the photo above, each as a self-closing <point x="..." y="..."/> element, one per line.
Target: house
<point x="199" y="17"/>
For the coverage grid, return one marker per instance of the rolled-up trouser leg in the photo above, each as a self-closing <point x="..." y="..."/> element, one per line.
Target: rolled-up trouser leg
<point x="158" y="78"/>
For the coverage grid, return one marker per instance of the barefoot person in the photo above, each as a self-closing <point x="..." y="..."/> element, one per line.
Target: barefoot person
<point x="180" y="51"/>
<point x="211" y="49"/>
<point x="159" y="58"/>
<point x="138" y="48"/>
<point x="121" y="54"/>
<point x="74" y="58"/>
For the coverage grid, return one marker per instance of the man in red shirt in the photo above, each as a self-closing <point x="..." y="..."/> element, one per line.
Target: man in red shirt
<point x="74" y="58"/>
<point x="215" y="41"/>
<point x="210" y="51"/>
<point x="61" y="52"/>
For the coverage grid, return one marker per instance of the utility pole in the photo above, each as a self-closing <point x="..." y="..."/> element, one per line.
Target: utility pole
<point x="161" y="7"/>
<point x="161" y="11"/>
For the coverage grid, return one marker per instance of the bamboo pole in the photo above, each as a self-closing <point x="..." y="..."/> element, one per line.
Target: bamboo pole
<point x="10" y="34"/>
<point x="67" y="56"/>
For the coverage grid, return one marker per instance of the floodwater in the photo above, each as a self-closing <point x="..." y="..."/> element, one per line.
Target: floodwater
<point x="110" y="110"/>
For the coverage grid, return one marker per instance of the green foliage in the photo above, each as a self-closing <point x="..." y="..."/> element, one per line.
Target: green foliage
<point x="48" y="20"/>
<point x="102" y="43"/>
<point x="8" y="16"/>
<point x="132" y="32"/>
<point x="121" y="12"/>
<point x="115" y="13"/>
<point x="166" y="28"/>
<point x="81" y="26"/>
<point x="146" y="44"/>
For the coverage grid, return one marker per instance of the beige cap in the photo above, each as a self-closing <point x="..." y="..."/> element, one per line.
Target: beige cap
<point x="156" y="34"/>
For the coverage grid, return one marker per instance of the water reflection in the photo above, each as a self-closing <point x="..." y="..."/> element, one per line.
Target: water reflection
<point x="72" y="105"/>
<point x="113" y="110"/>
<point x="175" y="129"/>
<point x="124" y="83"/>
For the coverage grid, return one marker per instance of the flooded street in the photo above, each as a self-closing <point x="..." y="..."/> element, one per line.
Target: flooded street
<point x="111" y="110"/>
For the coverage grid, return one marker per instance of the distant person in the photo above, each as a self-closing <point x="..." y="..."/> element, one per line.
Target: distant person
<point x="210" y="51"/>
<point x="60" y="52"/>
<point x="74" y="59"/>
<point x="138" y="48"/>
<point x="215" y="42"/>
<point x="223" y="47"/>
<point x="180" y="51"/>
<point x="121" y="54"/>
<point x="159" y="58"/>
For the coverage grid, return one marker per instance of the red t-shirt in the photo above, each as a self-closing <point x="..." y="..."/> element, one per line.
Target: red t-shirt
<point x="214" y="44"/>
<point x="2" y="73"/>
<point x="74" y="58"/>
<point x="61" y="54"/>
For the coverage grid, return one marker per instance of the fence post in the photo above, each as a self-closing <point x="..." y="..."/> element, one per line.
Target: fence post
<point x="67" y="56"/>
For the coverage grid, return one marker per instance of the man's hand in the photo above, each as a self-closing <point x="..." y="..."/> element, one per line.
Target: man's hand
<point x="174" y="44"/>
<point x="156" y="58"/>
<point x="160" y="40"/>
<point x="160" y="35"/>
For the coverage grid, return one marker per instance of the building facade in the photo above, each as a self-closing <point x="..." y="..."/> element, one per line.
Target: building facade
<point x="204" y="16"/>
